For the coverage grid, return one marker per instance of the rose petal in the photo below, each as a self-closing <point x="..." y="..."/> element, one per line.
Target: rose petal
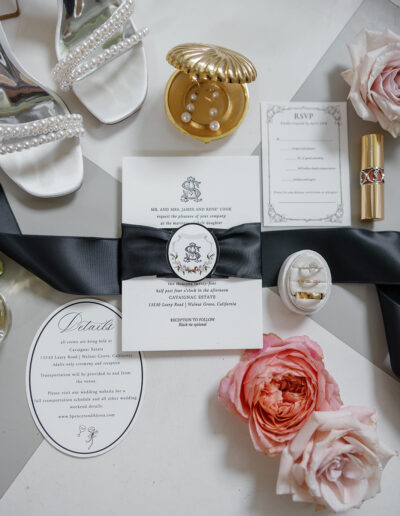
<point x="229" y="392"/>
<point x="283" y="483"/>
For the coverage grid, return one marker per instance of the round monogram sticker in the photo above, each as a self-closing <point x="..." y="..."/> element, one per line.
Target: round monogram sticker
<point x="192" y="252"/>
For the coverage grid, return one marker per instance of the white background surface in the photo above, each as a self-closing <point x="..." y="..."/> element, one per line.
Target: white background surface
<point x="187" y="456"/>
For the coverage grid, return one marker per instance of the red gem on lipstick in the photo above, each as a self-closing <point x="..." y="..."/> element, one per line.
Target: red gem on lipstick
<point x="372" y="175"/>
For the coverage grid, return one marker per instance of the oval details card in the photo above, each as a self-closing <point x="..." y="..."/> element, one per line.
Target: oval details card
<point x="83" y="392"/>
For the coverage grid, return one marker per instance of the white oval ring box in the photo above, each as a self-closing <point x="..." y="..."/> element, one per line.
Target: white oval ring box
<point x="305" y="282"/>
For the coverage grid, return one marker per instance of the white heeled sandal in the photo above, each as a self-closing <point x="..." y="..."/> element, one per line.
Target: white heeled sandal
<point x="39" y="138"/>
<point x="101" y="57"/>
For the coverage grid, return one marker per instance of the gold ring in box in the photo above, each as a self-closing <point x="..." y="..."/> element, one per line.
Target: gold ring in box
<point x="207" y="96"/>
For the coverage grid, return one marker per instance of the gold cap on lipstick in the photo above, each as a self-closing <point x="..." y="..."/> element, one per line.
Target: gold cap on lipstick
<point x="372" y="151"/>
<point x="372" y="177"/>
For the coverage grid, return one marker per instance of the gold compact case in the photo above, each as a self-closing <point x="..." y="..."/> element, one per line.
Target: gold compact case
<point x="207" y="96"/>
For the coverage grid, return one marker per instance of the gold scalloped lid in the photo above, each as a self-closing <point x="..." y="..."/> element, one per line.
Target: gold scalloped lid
<point x="212" y="62"/>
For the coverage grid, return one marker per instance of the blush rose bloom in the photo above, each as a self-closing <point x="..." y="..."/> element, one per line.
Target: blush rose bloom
<point x="276" y="389"/>
<point x="375" y="78"/>
<point x="335" y="461"/>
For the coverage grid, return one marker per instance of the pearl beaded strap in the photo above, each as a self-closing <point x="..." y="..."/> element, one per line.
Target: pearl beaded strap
<point x="73" y="67"/>
<point x="46" y="130"/>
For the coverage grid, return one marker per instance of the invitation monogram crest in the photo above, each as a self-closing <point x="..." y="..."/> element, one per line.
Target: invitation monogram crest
<point x="188" y="259"/>
<point x="192" y="253"/>
<point x="191" y="190"/>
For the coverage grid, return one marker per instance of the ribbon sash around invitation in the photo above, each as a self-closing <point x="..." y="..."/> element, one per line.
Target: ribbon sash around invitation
<point x="144" y="252"/>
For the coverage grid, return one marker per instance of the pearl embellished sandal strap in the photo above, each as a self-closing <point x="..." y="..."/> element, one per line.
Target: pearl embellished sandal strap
<point x="39" y="132"/>
<point x="77" y="63"/>
<point x="106" y="56"/>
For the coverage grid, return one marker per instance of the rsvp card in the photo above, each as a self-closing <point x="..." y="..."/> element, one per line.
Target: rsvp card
<point x="171" y="314"/>
<point x="305" y="164"/>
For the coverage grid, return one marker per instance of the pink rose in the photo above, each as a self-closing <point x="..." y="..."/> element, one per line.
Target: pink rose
<point x="375" y="78"/>
<point x="336" y="460"/>
<point x="277" y="388"/>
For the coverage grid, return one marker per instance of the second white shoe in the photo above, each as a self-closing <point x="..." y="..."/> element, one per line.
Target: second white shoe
<point x="39" y="138"/>
<point x="101" y="57"/>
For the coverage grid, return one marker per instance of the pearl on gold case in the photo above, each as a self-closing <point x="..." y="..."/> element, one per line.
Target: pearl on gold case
<point x="186" y="117"/>
<point x="214" y="125"/>
<point x="204" y="96"/>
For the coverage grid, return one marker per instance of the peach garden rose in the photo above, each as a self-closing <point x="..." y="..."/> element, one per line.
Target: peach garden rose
<point x="276" y="389"/>
<point x="374" y="78"/>
<point x="335" y="461"/>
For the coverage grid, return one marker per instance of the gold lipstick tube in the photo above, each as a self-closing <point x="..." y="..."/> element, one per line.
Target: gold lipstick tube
<point x="372" y="177"/>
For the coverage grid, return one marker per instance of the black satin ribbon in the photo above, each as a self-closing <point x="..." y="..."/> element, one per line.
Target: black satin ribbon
<point x="144" y="252"/>
<point x="354" y="255"/>
<point x="95" y="266"/>
<point x="74" y="265"/>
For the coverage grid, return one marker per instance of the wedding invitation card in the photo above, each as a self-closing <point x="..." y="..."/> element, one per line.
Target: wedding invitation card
<point x="305" y="164"/>
<point x="169" y="313"/>
<point x="82" y="392"/>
